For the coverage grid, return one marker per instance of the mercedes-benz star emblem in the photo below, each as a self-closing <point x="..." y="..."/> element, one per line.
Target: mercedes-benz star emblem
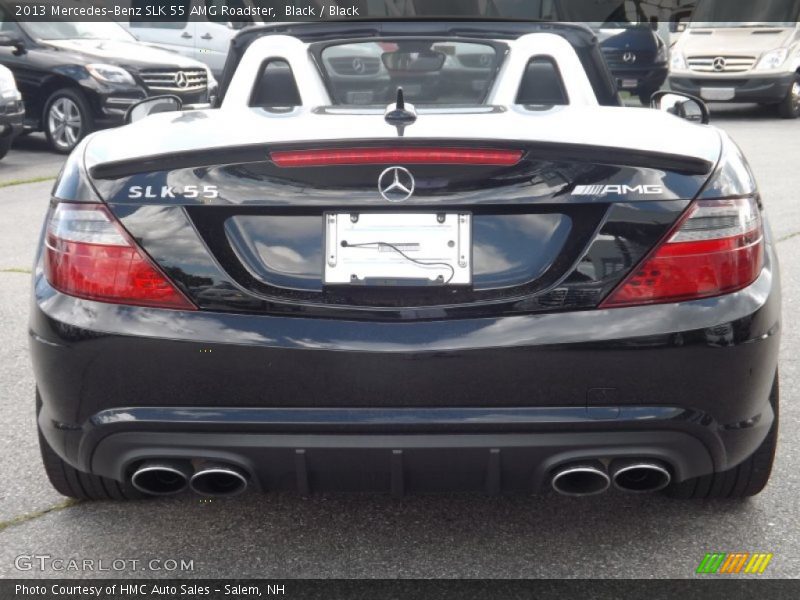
<point x="180" y="79"/>
<point x="719" y="64"/>
<point x="629" y="57"/>
<point x="359" y="66"/>
<point x="396" y="184"/>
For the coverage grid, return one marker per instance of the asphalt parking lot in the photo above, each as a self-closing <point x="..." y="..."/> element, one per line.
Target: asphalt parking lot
<point x="614" y="535"/>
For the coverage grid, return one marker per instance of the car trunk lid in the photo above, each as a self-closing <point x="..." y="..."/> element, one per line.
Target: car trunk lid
<point x="553" y="225"/>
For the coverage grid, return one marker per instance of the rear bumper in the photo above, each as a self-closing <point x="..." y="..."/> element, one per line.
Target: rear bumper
<point x="452" y="404"/>
<point x="399" y="463"/>
<point x="765" y="88"/>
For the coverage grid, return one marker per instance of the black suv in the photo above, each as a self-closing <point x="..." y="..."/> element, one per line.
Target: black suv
<point x="76" y="77"/>
<point x="637" y="57"/>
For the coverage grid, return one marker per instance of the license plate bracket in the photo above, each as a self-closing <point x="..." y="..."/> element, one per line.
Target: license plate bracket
<point x="398" y="249"/>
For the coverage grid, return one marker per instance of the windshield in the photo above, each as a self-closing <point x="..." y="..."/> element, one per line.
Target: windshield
<point x="430" y="71"/>
<point x="70" y="30"/>
<point x="764" y="13"/>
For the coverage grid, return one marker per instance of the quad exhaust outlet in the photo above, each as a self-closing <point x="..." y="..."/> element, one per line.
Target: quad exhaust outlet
<point x="587" y="478"/>
<point x="162" y="477"/>
<point x="581" y="479"/>
<point x="639" y="476"/>
<point x="218" y="479"/>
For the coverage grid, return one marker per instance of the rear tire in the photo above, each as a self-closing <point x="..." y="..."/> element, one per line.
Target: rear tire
<point x="742" y="481"/>
<point x="69" y="481"/>
<point x="789" y="108"/>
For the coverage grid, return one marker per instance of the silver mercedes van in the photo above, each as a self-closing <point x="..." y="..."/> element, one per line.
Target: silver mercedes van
<point x="755" y="60"/>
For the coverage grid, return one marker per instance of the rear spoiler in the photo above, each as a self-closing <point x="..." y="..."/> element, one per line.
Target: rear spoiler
<point x="538" y="150"/>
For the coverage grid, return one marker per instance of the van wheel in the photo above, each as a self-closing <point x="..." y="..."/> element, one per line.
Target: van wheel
<point x="790" y="107"/>
<point x="69" y="481"/>
<point x="742" y="481"/>
<point x="67" y="119"/>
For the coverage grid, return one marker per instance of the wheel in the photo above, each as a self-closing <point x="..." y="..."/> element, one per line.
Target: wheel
<point x="789" y="108"/>
<point x="5" y="145"/>
<point x="67" y="119"/>
<point x="744" y="480"/>
<point x="69" y="481"/>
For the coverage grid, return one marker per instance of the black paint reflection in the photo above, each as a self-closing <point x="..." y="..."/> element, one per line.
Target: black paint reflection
<point x="283" y="251"/>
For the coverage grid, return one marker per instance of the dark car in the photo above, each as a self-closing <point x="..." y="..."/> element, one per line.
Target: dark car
<point x="507" y="283"/>
<point x="76" y="77"/>
<point x="637" y="57"/>
<point x="12" y="109"/>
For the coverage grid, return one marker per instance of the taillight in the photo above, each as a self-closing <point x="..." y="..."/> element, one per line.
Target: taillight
<point x="89" y="255"/>
<point x="388" y="156"/>
<point x="717" y="248"/>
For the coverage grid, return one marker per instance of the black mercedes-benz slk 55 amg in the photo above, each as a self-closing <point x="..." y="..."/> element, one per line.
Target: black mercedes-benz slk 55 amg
<point x="403" y="257"/>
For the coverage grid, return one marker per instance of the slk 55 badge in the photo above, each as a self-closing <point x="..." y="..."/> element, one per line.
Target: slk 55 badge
<point x="165" y="191"/>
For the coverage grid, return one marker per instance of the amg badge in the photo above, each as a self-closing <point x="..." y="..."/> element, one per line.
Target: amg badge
<point x="603" y="190"/>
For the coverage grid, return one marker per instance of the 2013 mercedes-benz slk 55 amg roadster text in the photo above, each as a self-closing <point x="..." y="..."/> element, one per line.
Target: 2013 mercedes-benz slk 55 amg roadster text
<point x="408" y="257"/>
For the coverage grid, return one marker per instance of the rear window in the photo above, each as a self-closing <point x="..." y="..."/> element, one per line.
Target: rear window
<point x="431" y="72"/>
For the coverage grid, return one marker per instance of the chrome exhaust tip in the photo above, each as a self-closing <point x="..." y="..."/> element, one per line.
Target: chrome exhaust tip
<point x="639" y="476"/>
<point x="161" y="477"/>
<point x="218" y="479"/>
<point x="580" y="479"/>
